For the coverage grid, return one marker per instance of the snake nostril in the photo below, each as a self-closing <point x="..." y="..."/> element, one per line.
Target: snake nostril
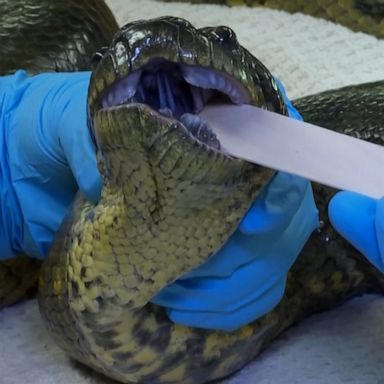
<point x="223" y="35"/>
<point x="97" y="56"/>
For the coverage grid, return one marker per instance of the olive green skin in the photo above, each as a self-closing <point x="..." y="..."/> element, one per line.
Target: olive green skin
<point x="58" y="36"/>
<point x="358" y="15"/>
<point x="167" y="204"/>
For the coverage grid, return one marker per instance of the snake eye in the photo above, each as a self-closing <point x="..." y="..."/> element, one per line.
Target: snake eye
<point x="97" y="56"/>
<point x="225" y="35"/>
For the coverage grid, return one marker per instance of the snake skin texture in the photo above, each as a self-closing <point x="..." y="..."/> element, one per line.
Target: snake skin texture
<point x="169" y="202"/>
<point x="333" y="109"/>
<point x="358" y="15"/>
<point x="75" y="29"/>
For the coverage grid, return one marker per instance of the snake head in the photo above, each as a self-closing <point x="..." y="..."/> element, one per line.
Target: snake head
<point x="145" y="97"/>
<point x="176" y="70"/>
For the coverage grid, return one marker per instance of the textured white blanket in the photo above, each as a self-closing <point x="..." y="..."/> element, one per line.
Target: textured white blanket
<point x="345" y="345"/>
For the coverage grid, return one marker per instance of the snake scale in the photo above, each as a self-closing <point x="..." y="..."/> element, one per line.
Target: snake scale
<point x="171" y="198"/>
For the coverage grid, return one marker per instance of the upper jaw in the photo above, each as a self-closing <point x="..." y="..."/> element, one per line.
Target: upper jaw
<point x="174" y="85"/>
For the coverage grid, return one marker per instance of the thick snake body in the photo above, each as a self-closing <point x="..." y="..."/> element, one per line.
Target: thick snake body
<point x="169" y="201"/>
<point x="358" y="15"/>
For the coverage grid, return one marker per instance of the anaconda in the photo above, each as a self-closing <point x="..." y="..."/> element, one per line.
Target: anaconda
<point x="358" y="15"/>
<point x="164" y="192"/>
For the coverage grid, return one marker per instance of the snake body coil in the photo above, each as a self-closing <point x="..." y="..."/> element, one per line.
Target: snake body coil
<point x="171" y="198"/>
<point x="358" y="15"/>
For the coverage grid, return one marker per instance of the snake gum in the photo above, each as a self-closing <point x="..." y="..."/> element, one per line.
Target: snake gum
<point x="171" y="199"/>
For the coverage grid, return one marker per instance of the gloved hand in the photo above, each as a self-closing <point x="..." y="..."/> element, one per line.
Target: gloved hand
<point x="360" y="220"/>
<point x="247" y="277"/>
<point x="46" y="153"/>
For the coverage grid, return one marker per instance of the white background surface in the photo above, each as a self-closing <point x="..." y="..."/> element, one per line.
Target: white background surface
<point x="345" y="345"/>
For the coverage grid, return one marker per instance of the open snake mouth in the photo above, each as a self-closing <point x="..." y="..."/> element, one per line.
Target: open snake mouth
<point x="178" y="70"/>
<point x="178" y="91"/>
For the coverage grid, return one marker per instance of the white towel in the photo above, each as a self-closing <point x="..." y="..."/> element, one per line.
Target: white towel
<point x="345" y="345"/>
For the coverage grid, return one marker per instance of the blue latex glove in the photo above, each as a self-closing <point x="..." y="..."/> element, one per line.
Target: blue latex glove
<point x="360" y="220"/>
<point x="247" y="277"/>
<point x="45" y="153"/>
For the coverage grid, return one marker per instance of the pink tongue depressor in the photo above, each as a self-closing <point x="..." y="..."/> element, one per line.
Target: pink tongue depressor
<point x="285" y="144"/>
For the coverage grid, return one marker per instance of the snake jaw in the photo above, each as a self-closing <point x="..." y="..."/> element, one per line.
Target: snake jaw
<point x="177" y="69"/>
<point x="177" y="91"/>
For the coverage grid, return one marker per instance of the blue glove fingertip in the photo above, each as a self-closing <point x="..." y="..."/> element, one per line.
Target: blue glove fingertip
<point x="292" y="111"/>
<point x="275" y="205"/>
<point x="230" y="321"/>
<point x="354" y="217"/>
